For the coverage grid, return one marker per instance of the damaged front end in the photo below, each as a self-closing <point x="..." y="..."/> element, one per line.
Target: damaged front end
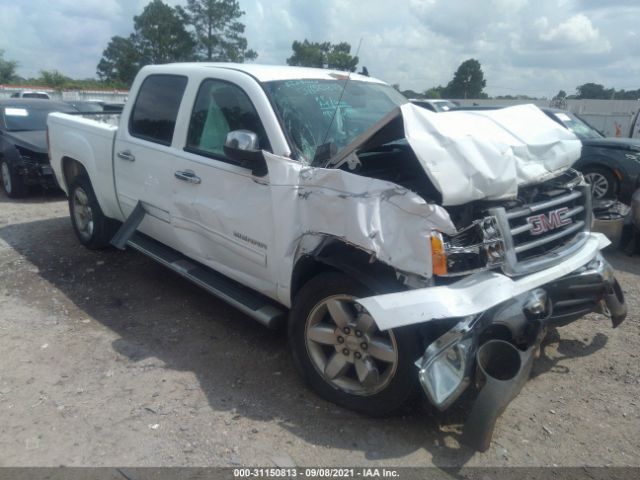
<point x="495" y="349"/>
<point x="484" y="223"/>
<point x="499" y="282"/>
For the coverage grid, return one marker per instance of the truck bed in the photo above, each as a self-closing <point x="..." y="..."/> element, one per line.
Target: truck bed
<point x="89" y="140"/>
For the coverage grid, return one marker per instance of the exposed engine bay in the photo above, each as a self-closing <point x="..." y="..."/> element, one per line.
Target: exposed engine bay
<point x="397" y="163"/>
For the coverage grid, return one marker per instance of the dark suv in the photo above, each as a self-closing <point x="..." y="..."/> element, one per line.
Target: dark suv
<point x="610" y="164"/>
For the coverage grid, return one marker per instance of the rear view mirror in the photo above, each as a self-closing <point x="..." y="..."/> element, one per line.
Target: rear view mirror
<point x="243" y="146"/>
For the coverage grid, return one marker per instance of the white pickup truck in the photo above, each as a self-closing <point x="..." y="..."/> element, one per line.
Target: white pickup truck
<point x="404" y="248"/>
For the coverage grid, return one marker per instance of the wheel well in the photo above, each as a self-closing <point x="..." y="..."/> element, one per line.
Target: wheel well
<point x="355" y="262"/>
<point x="595" y="166"/>
<point x="306" y="268"/>
<point x="71" y="169"/>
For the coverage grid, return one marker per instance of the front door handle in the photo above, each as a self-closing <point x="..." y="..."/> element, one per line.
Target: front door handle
<point x="188" y="176"/>
<point x="127" y="155"/>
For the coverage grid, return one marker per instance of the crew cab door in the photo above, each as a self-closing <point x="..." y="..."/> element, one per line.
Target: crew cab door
<point x="221" y="213"/>
<point x="144" y="160"/>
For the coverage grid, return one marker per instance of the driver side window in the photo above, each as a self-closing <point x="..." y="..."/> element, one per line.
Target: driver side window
<point x="220" y="108"/>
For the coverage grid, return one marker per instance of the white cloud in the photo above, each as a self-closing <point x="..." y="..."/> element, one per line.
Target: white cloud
<point x="576" y="31"/>
<point x="524" y="46"/>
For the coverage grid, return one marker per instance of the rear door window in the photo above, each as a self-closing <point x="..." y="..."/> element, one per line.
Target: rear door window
<point x="154" y="114"/>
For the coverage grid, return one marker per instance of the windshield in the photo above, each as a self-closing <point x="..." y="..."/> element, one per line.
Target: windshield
<point x="578" y="126"/>
<point x="312" y="117"/>
<point x="22" y="118"/>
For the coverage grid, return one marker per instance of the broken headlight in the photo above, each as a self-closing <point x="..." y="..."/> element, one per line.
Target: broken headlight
<point x="444" y="368"/>
<point x="477" y="247"/>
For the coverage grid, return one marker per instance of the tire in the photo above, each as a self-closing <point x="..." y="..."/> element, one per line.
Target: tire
<point x="320" y="344"/>
<point x="12" y="183"/>
<point x="603" y="182"/>
<point x="93" y="229"/>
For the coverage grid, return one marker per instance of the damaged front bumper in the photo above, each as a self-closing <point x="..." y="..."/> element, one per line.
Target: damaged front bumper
<point x="497" y="347"/>
<point x="36" y="173"/>
<point x="499" y="328"/>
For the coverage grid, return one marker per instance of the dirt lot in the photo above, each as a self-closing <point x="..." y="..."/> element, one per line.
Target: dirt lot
<point x="109" y="359"/>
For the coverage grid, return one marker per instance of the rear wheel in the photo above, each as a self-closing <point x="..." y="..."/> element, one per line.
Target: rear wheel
<point x="92" y="227"/>
<point x="340" y="351"/>
<point x="603" y="182"/>
<point x="12" y="183"/>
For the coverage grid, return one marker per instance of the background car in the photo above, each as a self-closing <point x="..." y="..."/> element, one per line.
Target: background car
<point x="24" y="160"/>
<point x="31" y="94"/>
<point x="434" y="105"/>
<point x="610" y="164"/>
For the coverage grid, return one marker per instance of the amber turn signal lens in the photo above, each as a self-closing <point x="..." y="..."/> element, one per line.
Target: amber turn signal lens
<point x="438" y="255"/>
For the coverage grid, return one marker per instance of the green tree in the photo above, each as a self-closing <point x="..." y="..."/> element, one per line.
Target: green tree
<point x="339" y="57"/>
<point x="434" y="92"/>
<point x="323" y="55"/>
<point x="627" y="94"/>
<point x="53" y="79"/>
<point x="411" y="94"/>
<point x="120" y="61"/>
<point x="594" y="91"/>
<point x="467" y="82"/>
<point x="218" y="33"/>
<point x="160" y="35"/>
<point x="559" y="101"/>
<point x="7" y="69"/>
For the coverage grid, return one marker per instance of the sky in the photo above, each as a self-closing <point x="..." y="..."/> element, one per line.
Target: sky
<point x="525" y="47"/>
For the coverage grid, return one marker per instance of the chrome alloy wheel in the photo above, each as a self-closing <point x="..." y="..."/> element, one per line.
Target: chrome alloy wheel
<point x="599" y="184"/>
<point x="82" y="213"/>
<point x="347" y="349"/>
<point x="6" y="177"/>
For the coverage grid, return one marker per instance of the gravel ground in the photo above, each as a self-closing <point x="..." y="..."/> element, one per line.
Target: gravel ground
<point x="110" y="359"/>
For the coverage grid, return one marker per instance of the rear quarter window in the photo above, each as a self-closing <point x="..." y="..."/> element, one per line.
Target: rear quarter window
<point x="154" y="114"/>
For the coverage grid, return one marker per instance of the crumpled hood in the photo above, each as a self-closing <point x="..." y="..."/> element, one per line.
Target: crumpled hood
<point x="474" y="155"/>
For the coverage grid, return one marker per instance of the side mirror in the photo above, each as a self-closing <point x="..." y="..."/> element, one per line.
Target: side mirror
<point x="242" y="146"/>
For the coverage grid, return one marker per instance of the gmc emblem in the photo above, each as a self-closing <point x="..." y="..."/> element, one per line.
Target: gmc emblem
<point x="542" y="222"/>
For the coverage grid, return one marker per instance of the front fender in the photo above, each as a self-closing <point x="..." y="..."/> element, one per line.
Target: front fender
<point x="393" y="223"/>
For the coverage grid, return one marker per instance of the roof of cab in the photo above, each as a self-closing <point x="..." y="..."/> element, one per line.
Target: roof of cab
<point x="268" y="73"/>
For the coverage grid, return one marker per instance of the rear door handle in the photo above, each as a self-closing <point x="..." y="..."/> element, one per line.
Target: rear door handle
<point x="188" y="176"/>
<point x="127" y="155"/>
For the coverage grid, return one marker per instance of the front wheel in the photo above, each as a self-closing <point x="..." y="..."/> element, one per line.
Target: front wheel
<point x="342" y="354"/>
<point x="12" y="183"/>
<point x="92" y="227"/>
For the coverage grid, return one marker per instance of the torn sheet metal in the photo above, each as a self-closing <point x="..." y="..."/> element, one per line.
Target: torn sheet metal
<point x="473" y="155"/>
<point x="472" y="295"/>
<point x="380" y="217"/>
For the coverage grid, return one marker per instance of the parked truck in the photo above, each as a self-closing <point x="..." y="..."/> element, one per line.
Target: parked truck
<point x="408" y="253"/>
